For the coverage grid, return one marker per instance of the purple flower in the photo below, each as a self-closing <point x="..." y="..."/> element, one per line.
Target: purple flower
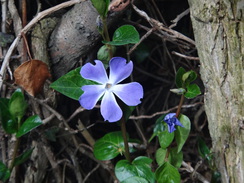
<point x="108" y="87"/>
<point x="171" y="120"/>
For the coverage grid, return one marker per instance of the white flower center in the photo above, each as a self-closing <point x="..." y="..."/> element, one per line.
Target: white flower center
<point x="108" y="86"/>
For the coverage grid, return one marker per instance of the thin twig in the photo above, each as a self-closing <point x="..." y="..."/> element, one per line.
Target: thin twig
<point x="179" y="17"/>
<point x="164" y="112"/>
<point x="91" y="172"/>
<point x="197" y="175"/>
<point x="142" y="38"/>
<point x="185" y="56"/>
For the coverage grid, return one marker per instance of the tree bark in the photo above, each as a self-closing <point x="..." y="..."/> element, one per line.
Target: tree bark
<point x="219" y="32"/>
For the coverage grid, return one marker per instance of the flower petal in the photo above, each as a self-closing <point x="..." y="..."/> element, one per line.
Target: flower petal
<point x="130" y="93"/>
<point x="91" y="95"/>
<point x="110" y="109"/>
<point x="95" y="72"/>
<point x="169" y="116"/>
<point x="119" y="69"/>
<point x="171" y="128"/>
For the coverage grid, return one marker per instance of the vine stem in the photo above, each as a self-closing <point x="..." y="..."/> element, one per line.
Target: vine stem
<point x="123" y="130"/>
<point x="180" y="105"/>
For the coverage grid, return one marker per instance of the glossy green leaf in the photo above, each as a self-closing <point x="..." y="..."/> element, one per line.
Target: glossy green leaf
<point x="70" y="84"/>
<point x="182" y="133"/>
<point x="9" y="123"/>
<point x="101" y="6"/>
<point x="178" y="78"/>
<point x="175" y="158"/>
<point x="193" y="90"/>
<point x="159" y="127"/>
<point x="140" y="167"/>
<point x="109" y="146"/>
<point x="165" y="138"/>
<point x="135" y="179"/>
<point x="160" y="156"/>
<point x="29" y="124"/>
<point x="189" y="77"/>
<point x="4" y="172"/>
<point x="23" y="157"/>
<point x="17" y="104"/>
<point x="126" y="34"/>
<point x="167" y="173"/>
<point x="203" y="149"/>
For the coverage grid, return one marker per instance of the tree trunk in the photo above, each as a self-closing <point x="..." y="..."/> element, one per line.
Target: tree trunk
<point x="219" y="32"/>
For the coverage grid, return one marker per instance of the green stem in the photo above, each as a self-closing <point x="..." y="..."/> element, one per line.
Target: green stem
<point x="16" y="147"/>
<point x="106" y="36"/>
<point x="123" y="130"/>
<point x="180" y="105"/>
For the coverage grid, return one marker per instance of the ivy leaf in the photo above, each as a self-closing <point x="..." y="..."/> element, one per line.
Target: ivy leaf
<point x="9" y="123"/>
<point x="23" y="157"/>
<point x="4" y="172"/>
<point x="101" y="6"/>
<point x="70" y="84"/>
<point x="193" y="90"/>
<point x="17" y="104"/>
<point x="178" y="78"/>
<point x="140" y="167"/>
<point x="109" y="146"/>
<point x="181" y="134"/>
<point x="29" y="124"/>
<point x="126" y="34"/>
<point x="167" y="173"/>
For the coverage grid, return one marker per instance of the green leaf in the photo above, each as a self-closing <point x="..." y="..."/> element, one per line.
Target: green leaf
<point x="159" y="127"/>
<point x="178" y="91"/>
<point x="193" y="90"/>
<point x="70" y="84"/>
<point x="160" y="156"/>
<point x="167" y="173"/>
<point x="165" y="138"/>
<point x="189" y="77"/>
<point x="109" y="146"/>
<point x="135" y="179"/>
<point x="126" y="34"/>
<point x="104" y="55"/>
<point x="4" y="172"/>
<point x="17" y="104"/>
<point x="101" y="6"/>
<point x="182" y="133"/>
<point x="203" y="149"/>
<point x="9" y="123"/>
<point x="140" y="167"/>
<point x="178" y="78"/>
<point x="23" y="157"/>
<point x="29" y="124"/>
<point x="175" y="158"/>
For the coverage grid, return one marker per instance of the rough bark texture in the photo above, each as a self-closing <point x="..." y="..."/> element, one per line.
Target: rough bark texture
<point x="73" y="37"/>
<point x="219" y="32"/>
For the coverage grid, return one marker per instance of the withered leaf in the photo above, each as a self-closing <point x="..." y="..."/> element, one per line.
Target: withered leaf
<point x="31" y="76"/>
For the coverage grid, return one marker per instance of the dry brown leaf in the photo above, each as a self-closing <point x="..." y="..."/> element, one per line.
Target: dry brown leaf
<point x="31" y="76"/>
<point x="118" y="5"/>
